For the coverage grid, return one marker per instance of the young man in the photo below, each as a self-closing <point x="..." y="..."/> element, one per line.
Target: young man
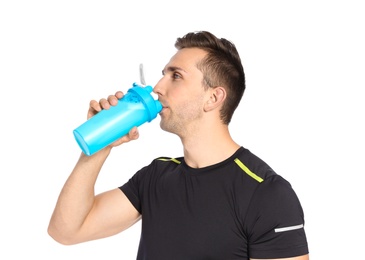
<point x="218" y="201"/>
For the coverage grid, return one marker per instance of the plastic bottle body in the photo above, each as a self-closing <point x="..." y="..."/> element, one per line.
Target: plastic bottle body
<point x="135" y="108"/>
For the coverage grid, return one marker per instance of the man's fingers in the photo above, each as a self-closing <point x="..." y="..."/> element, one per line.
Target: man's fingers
<point x="119" y="94"/>
<point x="95" y="105"/>
<point x="104" y="103"/>
<point x="133" y="133"/>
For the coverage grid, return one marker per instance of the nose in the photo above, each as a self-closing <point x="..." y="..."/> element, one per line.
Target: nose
<point x="158" y="89"/>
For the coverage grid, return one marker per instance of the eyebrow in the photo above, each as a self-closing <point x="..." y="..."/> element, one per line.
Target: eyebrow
<point x="172" y="69"/>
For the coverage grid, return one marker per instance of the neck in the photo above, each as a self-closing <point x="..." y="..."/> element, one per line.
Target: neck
<point x="208" y="145"/>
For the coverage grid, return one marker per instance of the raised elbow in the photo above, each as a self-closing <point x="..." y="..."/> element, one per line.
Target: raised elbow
<point x="60" y="236"/>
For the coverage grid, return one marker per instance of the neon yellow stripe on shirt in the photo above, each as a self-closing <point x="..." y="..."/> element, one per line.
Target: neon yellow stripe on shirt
<point x="170" y="159"/>
<point x="247" y="170"/>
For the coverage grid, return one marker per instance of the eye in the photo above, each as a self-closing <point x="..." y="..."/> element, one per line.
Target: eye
<point x="176" y="75"/>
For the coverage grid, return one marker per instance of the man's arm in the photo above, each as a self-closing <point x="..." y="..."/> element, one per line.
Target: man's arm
<point x="81" y="216"/>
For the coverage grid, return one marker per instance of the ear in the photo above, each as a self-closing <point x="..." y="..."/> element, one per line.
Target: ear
<point x="216" y="98"/>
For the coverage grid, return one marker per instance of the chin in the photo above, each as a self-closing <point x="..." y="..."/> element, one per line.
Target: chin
<point x="166" y="127"/>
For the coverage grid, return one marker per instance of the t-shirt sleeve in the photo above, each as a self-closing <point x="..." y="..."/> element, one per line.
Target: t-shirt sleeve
<point x="132" y="189"/>
<point x="275" y="221"/>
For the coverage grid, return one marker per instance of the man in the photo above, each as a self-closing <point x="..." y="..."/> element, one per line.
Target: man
<point x="218" y="201"/>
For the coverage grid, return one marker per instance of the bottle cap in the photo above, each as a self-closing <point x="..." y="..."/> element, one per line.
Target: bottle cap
<point x="153" y="106"/>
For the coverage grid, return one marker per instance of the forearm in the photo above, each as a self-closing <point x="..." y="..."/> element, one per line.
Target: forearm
<point x="77" y="197"/>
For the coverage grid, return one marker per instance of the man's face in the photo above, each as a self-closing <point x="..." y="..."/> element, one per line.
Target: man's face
<point x="181" y="92"/>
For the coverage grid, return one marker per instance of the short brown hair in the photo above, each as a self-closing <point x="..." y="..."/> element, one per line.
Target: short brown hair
<point x="221" y="67"/>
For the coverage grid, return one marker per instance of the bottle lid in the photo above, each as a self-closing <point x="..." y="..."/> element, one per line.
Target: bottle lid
<point x="153" y="106"/>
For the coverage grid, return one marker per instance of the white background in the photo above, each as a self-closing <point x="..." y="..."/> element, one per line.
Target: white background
<point x="303" y="110"/>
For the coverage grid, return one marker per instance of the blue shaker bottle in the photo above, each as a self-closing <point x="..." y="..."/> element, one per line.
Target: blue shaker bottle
<point x="135" y="108"/>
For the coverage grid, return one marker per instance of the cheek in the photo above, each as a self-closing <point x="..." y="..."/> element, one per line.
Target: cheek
<point x="181" y="100"/>
<point x="177" y="92"/>
<point x="178" y="99"/>
<point x="190" y="106"/>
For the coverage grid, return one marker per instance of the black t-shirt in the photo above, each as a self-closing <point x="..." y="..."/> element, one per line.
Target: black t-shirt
<point x="235" y="209"/>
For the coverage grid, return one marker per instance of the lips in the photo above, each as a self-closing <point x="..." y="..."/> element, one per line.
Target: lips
<point x="163" y="108"/>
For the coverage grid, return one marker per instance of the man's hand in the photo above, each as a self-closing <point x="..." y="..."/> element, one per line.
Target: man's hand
<point x="112" y="100"/>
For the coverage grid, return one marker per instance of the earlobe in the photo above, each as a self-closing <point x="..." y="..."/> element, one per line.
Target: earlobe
<point x="216" y="98"/>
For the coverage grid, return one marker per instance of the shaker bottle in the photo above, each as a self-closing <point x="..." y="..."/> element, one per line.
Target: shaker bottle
<point x="135" y="108"/>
